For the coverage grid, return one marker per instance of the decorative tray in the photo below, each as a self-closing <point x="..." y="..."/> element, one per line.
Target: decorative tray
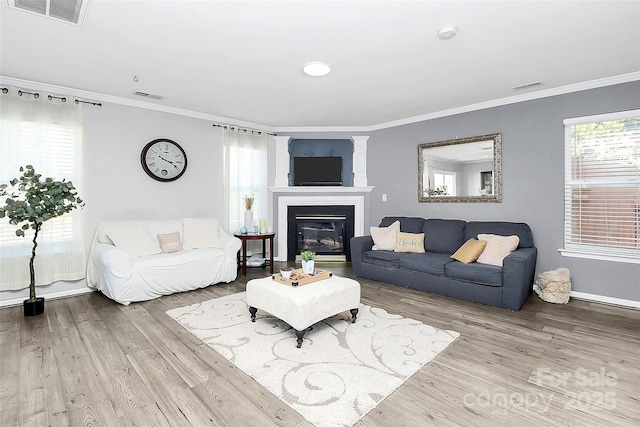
<point x="298" y="278"/>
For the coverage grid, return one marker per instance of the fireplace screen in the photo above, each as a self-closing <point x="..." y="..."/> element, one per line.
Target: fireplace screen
<point x="324" y="235"/>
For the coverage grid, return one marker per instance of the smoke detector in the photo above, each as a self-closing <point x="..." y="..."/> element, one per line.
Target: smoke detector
<point x="447" y="33"/>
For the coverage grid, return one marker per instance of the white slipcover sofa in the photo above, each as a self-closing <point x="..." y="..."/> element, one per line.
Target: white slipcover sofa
<point x="129" y="263"/>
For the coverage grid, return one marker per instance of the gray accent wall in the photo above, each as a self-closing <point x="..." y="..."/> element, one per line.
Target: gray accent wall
<point x="532" y="176"/>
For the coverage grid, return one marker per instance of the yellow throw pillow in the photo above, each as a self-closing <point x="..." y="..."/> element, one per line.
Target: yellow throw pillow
<point x="498" y="248"/>
<point x="469" y="251"/>
<point x="170" y="243"/>
<point x="409" y="242"/>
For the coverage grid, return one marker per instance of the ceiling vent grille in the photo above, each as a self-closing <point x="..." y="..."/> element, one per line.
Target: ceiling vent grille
<point x="527" y="85"/>
<point x="148" y="95"/>
<point x="71" y="11"/>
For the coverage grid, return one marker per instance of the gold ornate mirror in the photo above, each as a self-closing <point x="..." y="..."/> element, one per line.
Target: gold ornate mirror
<point x="461" y="170"/>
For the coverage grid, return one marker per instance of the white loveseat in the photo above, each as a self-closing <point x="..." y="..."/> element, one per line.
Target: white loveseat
<point x="127" y="262"/>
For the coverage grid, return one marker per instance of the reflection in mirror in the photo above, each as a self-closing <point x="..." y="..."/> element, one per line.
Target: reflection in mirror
<point x="461" y="170"/>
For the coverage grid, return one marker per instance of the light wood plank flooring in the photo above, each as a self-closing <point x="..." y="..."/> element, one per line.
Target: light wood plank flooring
<point x="89" y="361"/>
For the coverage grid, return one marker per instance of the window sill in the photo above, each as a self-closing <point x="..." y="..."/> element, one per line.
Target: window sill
<point x="589" y="255"/>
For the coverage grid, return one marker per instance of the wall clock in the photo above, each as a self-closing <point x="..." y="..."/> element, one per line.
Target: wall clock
<point x="163" y="160"/>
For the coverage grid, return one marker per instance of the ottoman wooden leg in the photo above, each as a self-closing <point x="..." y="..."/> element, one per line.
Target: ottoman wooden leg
<point x="253" y="312"/>
<point x="354" y="313"/>
<point x="299" y="334"/>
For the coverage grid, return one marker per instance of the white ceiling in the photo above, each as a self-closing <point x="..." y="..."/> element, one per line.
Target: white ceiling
<point x="241" y="61"/>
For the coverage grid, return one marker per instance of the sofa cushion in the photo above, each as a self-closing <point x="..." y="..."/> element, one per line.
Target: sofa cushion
<point x="135" y="240"/>
<point x="432" y="263"/>
<point x="476" y="273"/>
<point x="443" y="235"/>
<point x="409" y="242"/>
<point x="522" y="230"/>
<point x="384" y="238"/>
<point x="382" y="258"/>
<point x="407" y="224"/>
<point x="200" y="233"/>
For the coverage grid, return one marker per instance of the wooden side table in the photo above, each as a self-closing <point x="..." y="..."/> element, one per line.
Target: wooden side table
<point x="264" y="237"/>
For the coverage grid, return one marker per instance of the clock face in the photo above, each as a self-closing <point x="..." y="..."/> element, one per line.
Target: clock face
<point x="163" y="160"/>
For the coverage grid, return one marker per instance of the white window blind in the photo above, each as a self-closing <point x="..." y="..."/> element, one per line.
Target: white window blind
<point x="602" y="186"/>
<point x="48" y="135"/>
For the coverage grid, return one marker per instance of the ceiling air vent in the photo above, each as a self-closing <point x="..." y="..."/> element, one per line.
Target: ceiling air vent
<point x="148" y="95"/>
<point x="72" y="11"/>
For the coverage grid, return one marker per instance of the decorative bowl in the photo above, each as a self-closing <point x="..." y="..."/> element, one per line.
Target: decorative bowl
<point x="286" y="272"/>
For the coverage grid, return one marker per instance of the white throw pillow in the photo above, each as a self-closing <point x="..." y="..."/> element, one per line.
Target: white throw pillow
<point x="384" y="238"/>
<point x="497" y="249"/>
<point x="135" y="240"/>
<point x="200" y="233"/>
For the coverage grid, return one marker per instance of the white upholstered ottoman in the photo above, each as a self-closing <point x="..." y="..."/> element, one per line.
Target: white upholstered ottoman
<point x="304" y="305"/>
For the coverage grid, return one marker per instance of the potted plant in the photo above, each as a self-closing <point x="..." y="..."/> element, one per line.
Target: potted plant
<point x="29" y="204"/>
<point x="308" y="262"/>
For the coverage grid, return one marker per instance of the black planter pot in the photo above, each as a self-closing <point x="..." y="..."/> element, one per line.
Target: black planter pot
<point x="33" y="308"/>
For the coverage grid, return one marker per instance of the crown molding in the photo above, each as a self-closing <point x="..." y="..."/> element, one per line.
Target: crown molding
<point x="98" y="97"/>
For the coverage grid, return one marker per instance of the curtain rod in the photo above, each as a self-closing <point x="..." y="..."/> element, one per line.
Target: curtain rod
<point x="259" y="132"/>
<point x="63" y="99"/>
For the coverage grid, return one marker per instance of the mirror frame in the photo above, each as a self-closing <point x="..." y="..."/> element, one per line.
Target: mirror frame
<point x="497" y="171"/>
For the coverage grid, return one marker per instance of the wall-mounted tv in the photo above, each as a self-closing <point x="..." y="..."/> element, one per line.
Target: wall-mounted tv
<point x="317" y="171"/>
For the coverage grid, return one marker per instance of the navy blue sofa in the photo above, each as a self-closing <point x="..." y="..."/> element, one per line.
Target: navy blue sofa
<point x="435" y="271"/>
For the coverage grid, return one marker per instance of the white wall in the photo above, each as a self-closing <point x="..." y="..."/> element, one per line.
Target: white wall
<point x="116" y="187"/>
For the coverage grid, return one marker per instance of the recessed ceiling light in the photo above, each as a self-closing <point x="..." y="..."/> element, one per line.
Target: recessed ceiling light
<point x="447" y="33"/>
<point x="316" y="69"/>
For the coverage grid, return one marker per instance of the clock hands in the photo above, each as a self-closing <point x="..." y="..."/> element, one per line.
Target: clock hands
<point x="168" y="161"/>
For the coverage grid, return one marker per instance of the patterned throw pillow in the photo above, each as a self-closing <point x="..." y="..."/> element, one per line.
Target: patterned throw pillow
<point x="469" y="251"/>
<point x="409" y="242"/>
<point x="384" y="238"/>
<point x="170" y="242"/>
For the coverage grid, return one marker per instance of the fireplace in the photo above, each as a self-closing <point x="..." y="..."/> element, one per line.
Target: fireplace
<point x="325" y="230"/>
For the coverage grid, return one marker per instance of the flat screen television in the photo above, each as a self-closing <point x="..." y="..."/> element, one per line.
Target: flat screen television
<point x="317" y="171"/>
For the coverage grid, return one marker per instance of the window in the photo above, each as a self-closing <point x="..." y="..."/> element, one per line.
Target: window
<point x="48" y="135"/>
<point x="445" y="181"/>
<point x="602" y="187"/>
<point x="245" y="153"/>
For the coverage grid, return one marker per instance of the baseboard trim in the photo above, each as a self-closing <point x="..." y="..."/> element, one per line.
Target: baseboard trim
<point x="602" y="299"/>
<point x="53" y="295"/>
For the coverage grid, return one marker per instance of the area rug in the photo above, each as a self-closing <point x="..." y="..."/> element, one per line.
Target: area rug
<point x="343" y="369"/>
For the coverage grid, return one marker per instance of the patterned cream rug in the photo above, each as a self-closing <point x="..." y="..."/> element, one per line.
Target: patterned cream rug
<point x="343" y="369"/>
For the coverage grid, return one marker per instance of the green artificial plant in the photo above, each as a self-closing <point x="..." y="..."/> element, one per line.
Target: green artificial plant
<point x="31" y="202"/>
<point x="307" y="255"/>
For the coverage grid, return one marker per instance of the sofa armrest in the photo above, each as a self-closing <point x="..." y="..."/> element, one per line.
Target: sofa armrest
<point x="230" y="245"/>
<point x="359" y="245"/>
<point x="116" y="261"/>
<point x="517" y="277"/>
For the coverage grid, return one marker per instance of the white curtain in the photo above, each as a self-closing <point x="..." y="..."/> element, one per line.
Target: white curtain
<point x="245" y="164"/>
<point x="46" y="134"/>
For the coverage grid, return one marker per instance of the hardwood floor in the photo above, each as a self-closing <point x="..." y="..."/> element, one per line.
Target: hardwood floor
<point x="89" y="361"/>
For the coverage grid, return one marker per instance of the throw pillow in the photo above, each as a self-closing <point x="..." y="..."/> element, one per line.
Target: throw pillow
<point x="170" y="242"/>
<point x="135" y="240"/>
<point x="384" y="238"/>
<point x="497" y="249"/>
<point x="409" y="242"/>
<point x="469" y="251"/>
<point x="200" y="233"/>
